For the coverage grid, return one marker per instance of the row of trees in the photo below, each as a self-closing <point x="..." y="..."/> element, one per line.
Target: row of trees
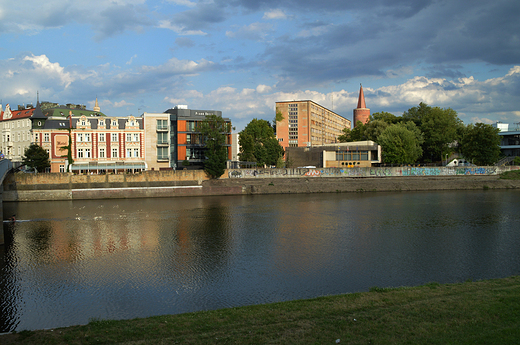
<point x="427" y="134"/>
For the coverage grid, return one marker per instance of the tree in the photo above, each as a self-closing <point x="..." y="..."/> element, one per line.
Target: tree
<point x="258" y="143"/>
<point x="355" y="134"/>
<point x="440" y="128"/>
<point x="386" y="117"/>
<point x="480" y="143"/>
<point x="36" y="157"/>
<point x="400" y="145"/>
<point x="214" y="131"/>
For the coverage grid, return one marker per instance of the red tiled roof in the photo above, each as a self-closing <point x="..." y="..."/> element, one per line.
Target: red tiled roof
<point x="361" y="100"/>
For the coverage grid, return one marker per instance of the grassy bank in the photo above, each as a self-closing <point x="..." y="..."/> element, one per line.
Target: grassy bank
<point x="484" y="312"/>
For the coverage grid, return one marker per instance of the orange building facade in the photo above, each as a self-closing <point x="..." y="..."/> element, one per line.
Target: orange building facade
<point x="306" y="124"/>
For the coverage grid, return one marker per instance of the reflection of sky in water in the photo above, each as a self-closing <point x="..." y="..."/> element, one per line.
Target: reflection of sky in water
<point x="134" y="258"/>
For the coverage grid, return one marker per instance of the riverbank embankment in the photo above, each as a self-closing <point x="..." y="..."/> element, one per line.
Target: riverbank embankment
<point x="484" y="312"/>
<point x="169" y="183"/>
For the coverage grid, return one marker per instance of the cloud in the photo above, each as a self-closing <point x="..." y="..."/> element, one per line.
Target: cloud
<point x="275" y="14"/>
<point x="253" y="31"/>
<point x="180" y="29"/>
<point x="129" y="62"/>
<point x="106" y="18"/>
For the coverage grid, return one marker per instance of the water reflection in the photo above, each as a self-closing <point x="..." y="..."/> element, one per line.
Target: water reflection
<point x="134" y="258"/>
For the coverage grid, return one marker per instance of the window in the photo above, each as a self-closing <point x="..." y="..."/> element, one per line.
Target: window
<point x="80" y="153"/>
<point x="162" y="153"/>
<point x="136" y="153"/>
<point x="87" y="137"/>
<point x="128" y="137"/>
<point x="83" y="122"/>
<point x="136" y="136"/>
<point x="162" y="138"/>
<point x="128" y="152"/>
<point x="102" y="137"/>
<point x="114" y="137"/>
<point x="46" y="137"/>
<point x="36" y="137"/>
<point x="102" y="152"/>
<point x="114" y="152"/>
<point x="101" y="122"/>
<point x="80" y="137"/>
<point x="62" y="168"/>
<point x="87" y="153"/>
<point x="162" y="125"/>
<point x="8" y="137"/>
<point x="114" y="124"/>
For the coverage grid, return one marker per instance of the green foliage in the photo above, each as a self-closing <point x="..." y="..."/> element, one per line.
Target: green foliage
<point x="384" y="116"/>
<point x="259" y="144"/>
<point x="69" y="151"/>
<point x="440" y="128"/>
<point x="480" y="143"/>
<point x="214" y="131"/>
<point x="400" y="145"/>
<point x="279" y="117"/>
<point x="36" y="157"/>
<point x="510" y="175"/>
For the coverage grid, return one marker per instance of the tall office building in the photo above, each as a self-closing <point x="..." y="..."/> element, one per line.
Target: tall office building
<point x="306" y="123"/>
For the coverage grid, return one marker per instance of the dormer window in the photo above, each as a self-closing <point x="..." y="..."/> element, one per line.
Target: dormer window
<point x="83" y="122"/>
<point x="101" y="123"/>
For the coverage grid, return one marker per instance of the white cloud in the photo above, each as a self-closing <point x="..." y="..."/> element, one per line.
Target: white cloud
<point x="42" y="64"/>
<point x="129" y="62"/>
<point x="275" y="14"/>
<point x="263" y="89"/>
<point x="253" y="31"/>
<point x="180" y="29"/>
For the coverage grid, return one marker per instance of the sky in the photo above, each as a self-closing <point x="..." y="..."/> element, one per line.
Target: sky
<point x="242" y="56"/>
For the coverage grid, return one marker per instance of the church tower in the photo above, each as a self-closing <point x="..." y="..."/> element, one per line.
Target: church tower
<point x="96" y="106"/>
<point x="361" y="113"/>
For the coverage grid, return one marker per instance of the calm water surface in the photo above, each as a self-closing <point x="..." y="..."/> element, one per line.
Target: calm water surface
<point x="68" y="262"/>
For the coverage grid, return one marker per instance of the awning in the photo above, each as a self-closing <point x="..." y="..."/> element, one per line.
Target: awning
<point x="120" y="165"/>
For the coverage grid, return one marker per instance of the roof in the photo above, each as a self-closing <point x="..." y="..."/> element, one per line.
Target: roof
<point x="9" y="114"/>
<point x="361" y="101"/>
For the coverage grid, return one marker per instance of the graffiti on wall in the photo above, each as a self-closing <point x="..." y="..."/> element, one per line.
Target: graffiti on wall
<point x="380" y="172"/>
<point x="477" y="171"/>
<point x="312" y="173"/>
<point x="362" y="172"/>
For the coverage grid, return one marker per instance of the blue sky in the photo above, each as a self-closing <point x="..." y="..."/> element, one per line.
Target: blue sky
<point x="241" y="56"/>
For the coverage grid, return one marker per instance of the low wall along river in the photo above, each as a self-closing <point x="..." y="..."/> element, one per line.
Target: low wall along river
<point x="170" y="183"/>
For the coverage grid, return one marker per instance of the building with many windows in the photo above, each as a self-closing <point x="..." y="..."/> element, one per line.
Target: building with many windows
<point x="306" y="124"/>
<point x="98" y="143"/>
<point x="172" y="140"/>
<point x="16" y="131"/>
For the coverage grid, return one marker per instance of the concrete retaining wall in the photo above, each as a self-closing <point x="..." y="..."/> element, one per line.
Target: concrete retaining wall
<point x="367" y="172"/>
<point x="38" y="187"/>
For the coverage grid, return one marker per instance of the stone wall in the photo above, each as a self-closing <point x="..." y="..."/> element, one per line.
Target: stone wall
<point x="368" y="172"/>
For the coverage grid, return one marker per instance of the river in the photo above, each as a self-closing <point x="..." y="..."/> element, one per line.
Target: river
<point x="67" y="262"/>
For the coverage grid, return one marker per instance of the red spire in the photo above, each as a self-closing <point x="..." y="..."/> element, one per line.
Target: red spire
<point x="361" y="100"/>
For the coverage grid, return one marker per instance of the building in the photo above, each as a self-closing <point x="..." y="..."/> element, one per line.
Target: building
<point x="98" y="143"/>
<point x="172" y="140"/>
<point x="361" y="113"/>
<point x="360" y="154"/>
<point x="306" y="124"/>
<point x="509" y="139"/>
<point x="16" y="131"/>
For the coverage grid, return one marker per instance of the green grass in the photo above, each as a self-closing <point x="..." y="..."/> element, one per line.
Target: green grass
<point x="510" y="175"/>
<point x="482" y="312"/>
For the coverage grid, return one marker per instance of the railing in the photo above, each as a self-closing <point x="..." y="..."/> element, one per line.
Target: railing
<point x="505" y="160"/>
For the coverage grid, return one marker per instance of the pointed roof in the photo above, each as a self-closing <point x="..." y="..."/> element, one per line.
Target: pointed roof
<point x="361" y="100"/>
<point x="96" y="106"/>
<point x="38" y="114"/>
